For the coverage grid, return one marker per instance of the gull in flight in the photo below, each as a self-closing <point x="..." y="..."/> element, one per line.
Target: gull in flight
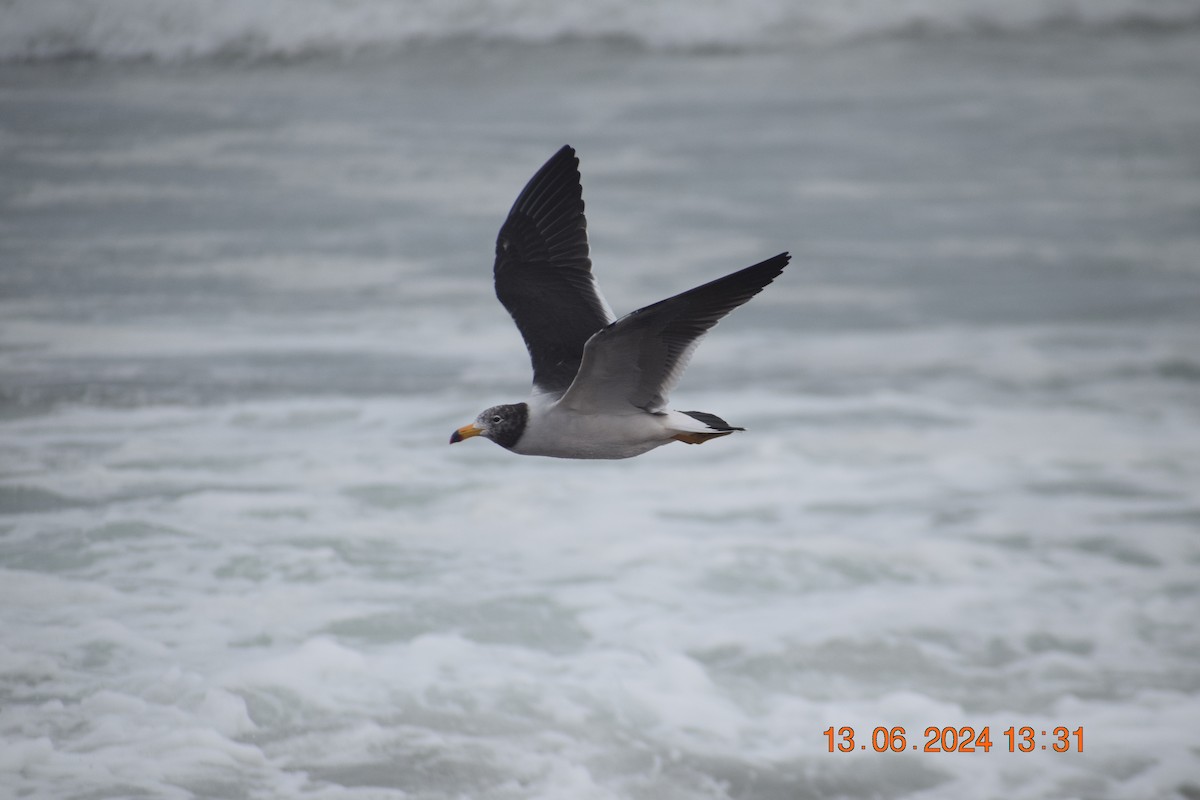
<point x="600" y="384"/>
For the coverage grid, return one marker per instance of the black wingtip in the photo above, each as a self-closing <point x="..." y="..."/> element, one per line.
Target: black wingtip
<point x="774" y="262"/>
<point x="552" y="202"/>
<point x="564" y="163"/>
<point x="740" y="286"/>
<point x="760" y="275"/>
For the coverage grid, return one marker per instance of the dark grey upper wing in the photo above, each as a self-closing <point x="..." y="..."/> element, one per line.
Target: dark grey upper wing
<point x="544" y="275"/>
<point x="638" y="359"/>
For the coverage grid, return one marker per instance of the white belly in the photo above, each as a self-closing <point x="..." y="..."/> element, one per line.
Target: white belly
<point x="552" y="431"/>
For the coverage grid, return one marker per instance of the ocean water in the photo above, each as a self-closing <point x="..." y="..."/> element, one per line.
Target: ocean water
<point x="245" y="297"/>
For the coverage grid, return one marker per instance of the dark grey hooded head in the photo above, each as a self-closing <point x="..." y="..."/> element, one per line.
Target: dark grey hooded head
<point x="502" y="424"/>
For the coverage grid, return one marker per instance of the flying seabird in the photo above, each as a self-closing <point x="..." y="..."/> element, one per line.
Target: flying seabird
<point x="600" y="384"/>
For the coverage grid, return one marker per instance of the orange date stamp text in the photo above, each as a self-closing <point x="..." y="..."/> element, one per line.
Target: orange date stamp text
<point x="950" y="739"/>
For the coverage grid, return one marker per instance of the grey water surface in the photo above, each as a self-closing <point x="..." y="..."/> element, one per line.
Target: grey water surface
<point x="244" y="304"/>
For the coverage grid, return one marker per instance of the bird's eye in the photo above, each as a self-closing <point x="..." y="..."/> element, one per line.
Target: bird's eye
<point x="497" y="418"/>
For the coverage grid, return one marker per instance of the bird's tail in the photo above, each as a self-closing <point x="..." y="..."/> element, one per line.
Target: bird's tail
<point x="717" y="427"/>
<point x="712" y="421"/>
